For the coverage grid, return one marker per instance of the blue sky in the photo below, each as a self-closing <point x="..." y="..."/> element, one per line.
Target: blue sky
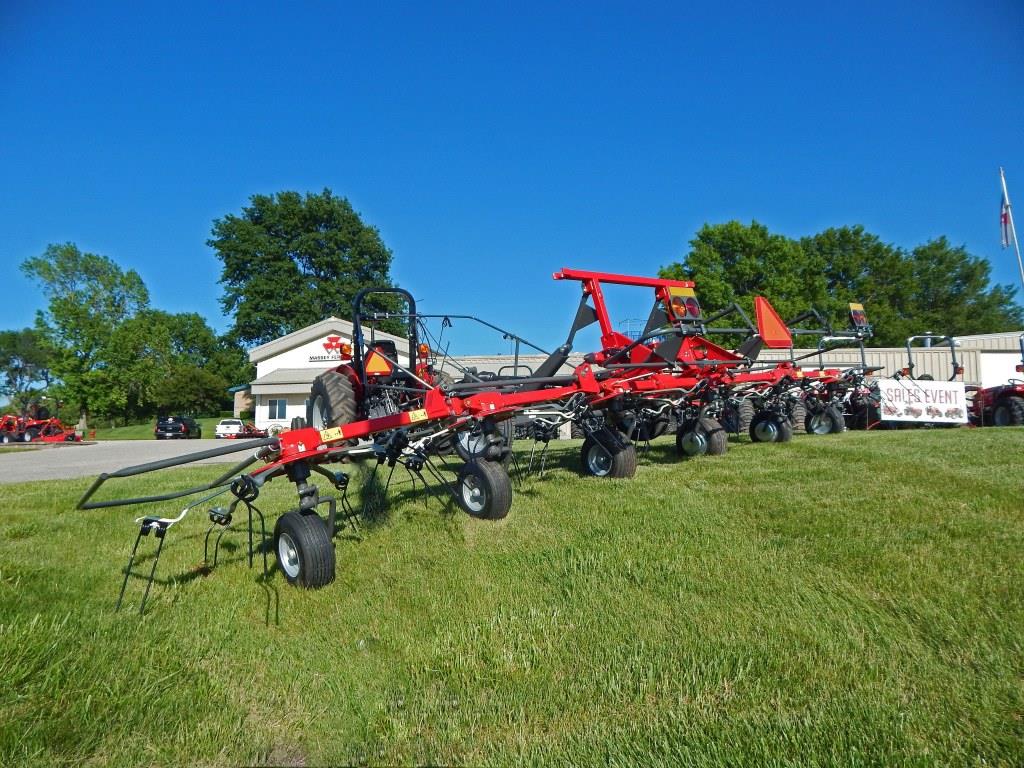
<point x="493" y="143"/>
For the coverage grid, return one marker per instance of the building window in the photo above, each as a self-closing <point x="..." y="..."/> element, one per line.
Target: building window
<point x="278" y="408"/>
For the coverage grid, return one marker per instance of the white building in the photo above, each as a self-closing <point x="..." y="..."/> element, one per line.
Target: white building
<point x="286" y="367"/>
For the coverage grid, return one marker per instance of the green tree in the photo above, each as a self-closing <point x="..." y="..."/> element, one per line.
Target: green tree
<point x="291" y="260"/>
<point x="733" y="262"/>
<point x="88" y="296"/>
<point x="24" y="364"/>
<point x="935" y="287"/>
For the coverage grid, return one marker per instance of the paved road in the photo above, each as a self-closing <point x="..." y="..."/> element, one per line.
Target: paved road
<point x="80" y="460"/>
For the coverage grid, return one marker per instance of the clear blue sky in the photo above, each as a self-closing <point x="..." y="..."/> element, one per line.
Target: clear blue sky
<point x="494" y="143"/>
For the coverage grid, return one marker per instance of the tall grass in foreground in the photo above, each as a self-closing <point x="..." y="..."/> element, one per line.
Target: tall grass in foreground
<point x="852" y="599"/>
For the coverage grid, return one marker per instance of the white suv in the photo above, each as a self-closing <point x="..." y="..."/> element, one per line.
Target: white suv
<point x="228" y="428"/>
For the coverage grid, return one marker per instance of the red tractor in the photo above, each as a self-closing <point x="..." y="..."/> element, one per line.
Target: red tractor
<point x="21" y="429"/>
<point x="1000" y="406"/>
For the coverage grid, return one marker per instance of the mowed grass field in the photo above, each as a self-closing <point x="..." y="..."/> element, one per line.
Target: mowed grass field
<point x="853" y="599"/>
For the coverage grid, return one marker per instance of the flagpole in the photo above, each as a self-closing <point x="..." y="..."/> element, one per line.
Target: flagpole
<point x="1013" y="229"/>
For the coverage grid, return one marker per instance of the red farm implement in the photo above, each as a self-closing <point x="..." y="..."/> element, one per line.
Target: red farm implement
<point x="380" y="408"/>
<point x="20" y="429"/>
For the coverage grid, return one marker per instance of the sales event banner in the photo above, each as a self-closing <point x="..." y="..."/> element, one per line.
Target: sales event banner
<point x="934" y="402"/>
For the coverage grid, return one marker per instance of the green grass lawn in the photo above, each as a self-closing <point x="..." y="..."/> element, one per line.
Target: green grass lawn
<point x="145" y="431"/>
<point x="852" y="599"/>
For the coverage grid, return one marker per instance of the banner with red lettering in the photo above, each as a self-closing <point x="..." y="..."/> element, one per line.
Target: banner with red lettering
<point x="935" y="402"/>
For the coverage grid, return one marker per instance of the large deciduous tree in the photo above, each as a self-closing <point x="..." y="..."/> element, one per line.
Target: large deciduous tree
<point x="88" y="297"/>
<point x="291" y="260"/>
<point x="24" y="364"/>
<point x="114" y="356"/>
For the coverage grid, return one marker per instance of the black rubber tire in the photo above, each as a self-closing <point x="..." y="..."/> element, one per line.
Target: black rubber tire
<point x="332" y="401"/>
<point x="924" y="377"/>
<point x="576" y="431"/>
<point x="8" y="437"/>
<point x="298" y="423"/>
<point x="826" y="422"/>
<point x="704" y="437"/>
<point x="1009" y="412"/>
<point x="744" y="415"/>
<point x="596" y="461"/>
<point x="798" y="417"/>
<point x="304" y="550"/>
<point x="30" y="434"/>
<point x="768" y="427"/>
<point x="651" y="429"/>
<point x="484" y="490"/>
<point x="471" y="447"/>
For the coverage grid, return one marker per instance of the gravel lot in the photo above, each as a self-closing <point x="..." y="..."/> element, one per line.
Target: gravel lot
<point x="88" y="460"/>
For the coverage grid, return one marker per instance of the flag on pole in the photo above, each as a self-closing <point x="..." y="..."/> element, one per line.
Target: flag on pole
<point x="1004" y="220"/>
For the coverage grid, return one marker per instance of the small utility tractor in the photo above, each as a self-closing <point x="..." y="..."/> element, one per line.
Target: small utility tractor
<point x="22" y="429"/>
<point x="1003" y="405"/>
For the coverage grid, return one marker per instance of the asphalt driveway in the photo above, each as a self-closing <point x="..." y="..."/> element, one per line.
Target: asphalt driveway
<point x="84" y="460"/>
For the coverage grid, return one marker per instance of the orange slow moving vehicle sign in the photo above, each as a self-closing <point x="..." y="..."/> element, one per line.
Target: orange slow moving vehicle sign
<point x="376" y="365"/>
<point x="772" y="330"/>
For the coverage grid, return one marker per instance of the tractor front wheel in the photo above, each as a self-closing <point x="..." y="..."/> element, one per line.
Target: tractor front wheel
<point x="484" y="490"/>
<point x="304" y="549"/>
<point x="1009" y="412"/>
<point x="599" y="461"/>
<point x="703" y="437"/>
<point x="768" y="427"/>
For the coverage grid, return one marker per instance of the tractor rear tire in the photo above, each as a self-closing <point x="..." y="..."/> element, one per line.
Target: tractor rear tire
<point x="30" y="434"/>
<point x="703" y="437"/>
<point x="1009" y="412"/>
<point x="598" y="462"/>
<point x="304" y="549"/>
<point x="798" y="417"/>
<point x="576" y="431"/>
<point x="332" y="401"/>
<point x="484" y="490"/>
<point x="768" y="427"/>
<point x="825" y="422"/>
<point x="745" y="413"/>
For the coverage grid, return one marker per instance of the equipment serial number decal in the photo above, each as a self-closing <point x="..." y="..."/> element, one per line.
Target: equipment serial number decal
<point x="420" y="415"/>
<point x="327" y="435"/>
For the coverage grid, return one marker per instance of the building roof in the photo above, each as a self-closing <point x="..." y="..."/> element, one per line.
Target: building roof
<point x="312" y="333"/>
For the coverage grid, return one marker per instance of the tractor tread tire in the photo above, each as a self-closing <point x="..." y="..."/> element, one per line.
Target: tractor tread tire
<point x="339" y="399"/>
<point x="316" y="551"/>
<point x="798" y="417"/>
<point x="1014" y="408"/>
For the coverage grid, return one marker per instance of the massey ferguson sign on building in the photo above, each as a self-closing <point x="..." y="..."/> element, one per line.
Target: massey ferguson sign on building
<point x="331" y="351"/>
<point x="935" y="402"/>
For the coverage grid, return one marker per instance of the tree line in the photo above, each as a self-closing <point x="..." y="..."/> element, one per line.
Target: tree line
<point x="934" y="287"/>
<point x="101" y="349"/>
<point x="289" y="260"/>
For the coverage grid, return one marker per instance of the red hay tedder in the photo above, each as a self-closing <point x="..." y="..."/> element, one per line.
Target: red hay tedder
<point x="375" y="408"/>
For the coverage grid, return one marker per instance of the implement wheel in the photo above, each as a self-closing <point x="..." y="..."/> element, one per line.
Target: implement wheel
<point x="825" y="422"/>
<point x="332" y="401"/>
<point x="768" y="427"/>
<point x="484" y="490"/>
<point x="599" y="461"/>
<point x="703" y="437"/>
<point x="304" y="549"/>
<point x="471" y="447"/>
